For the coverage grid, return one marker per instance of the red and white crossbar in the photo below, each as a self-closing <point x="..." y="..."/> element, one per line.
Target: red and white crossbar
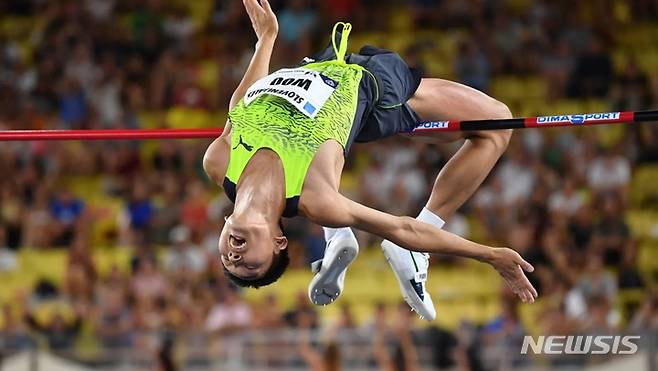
<point x="426" y="127"/>
<point x="585" y="119"/>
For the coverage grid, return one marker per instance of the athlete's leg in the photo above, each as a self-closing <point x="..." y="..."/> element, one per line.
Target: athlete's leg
<point x="430" y="99"/>
<point x="438" y="99"/>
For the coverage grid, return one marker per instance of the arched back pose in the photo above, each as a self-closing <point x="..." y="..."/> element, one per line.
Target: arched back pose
<point x="284" y="146"/>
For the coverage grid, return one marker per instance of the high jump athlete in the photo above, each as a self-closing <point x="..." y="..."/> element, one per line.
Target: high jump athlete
<point x="282" y="153"/>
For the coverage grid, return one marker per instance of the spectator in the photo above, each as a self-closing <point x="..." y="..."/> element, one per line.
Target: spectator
<point x="11" y="215"/>
<point x="296" y="25"/>
<point x="593" y="74"/>
<point x="405" y="356"/>
<point x="112" y="321"/>
<point x="162" y="80"/>
<point x="566" y="201"/>
<point x="59" y="333"/>
<point x="302" y="308"/>
<point x="167" y="210"/>
<point x="609" y="172"/>
<point x="66" y="211"/>
<point x="13" y="332"/>
<point x="8" y="261"/>
<point x="581" y="227"/>
<point x="100" y="10"/>
<point x="81" y="274"/>
<point x="268" y="315"/>
<point x="504" y="332"/>
<point x="516" y="176"/>
<point x="184" y="255"/>
<point x="341" y="9"/>
<point x="647" y="138"/>
<point x="194" y="210"/>
<point x="646" y="318"/>
<point x="165" y="355"/>
<point x="140" y="213"/>
<point x="612" y="231"/>
<point x="81" y="69"/>
<point x="376" y="182"/>
<point x="556" y="69"/>
<point x="148" y="318"/>
<point x="346" y="320"/>
<point x="471" y="66"/>
<point x="148" y="282"/>
<point x="328" y="360"/>
<point x="596" y="281"/>
<point x="106" y="96"/>
<point x="229" y="315"/>
<point x="179" y="25"/>
<point x="593" y="287"/>
<point x="629" y="275"/>
<point x="73" y="110"/>
<point x="632" y="89"/>
<point x="600" y="320"/>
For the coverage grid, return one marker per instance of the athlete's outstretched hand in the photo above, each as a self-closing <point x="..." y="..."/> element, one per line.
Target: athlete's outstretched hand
<point x="511" y="265"/>
<point x="263" y="19"/>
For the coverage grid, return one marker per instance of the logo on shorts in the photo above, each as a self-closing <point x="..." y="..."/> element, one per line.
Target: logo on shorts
<point x="578" y="119"/>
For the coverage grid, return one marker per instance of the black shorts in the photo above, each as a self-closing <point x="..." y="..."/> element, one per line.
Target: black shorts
<point x="382" y="109"/>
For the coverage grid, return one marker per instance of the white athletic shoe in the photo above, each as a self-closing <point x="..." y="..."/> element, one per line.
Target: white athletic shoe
<point x="327" y="285"/>
<point x="410" y="268"/>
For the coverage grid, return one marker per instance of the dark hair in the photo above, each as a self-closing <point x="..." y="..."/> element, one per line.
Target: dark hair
<point x="279" y="265"/>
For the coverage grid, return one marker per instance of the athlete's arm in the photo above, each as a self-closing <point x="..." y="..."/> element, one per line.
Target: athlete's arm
<point x="335" y="210"/>
<point x="266" y="27"/>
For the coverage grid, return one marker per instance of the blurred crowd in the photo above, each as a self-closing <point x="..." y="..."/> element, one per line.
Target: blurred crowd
<point x="558" y="197"/>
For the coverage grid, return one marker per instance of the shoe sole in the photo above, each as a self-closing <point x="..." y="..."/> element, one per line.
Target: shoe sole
<point x="325" y="287"/>
<point x="405" y="288"/>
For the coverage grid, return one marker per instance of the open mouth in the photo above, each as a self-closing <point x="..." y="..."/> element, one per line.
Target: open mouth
<point x="236" y="241"/>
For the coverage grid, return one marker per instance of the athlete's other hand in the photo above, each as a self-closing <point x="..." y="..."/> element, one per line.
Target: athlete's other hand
<point x="263" y="19"/>
<point x="510" y="265"/>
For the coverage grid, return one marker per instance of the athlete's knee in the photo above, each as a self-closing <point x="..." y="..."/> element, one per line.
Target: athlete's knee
<point x="498" y="138"/>
<point x="500" y="110"/>
<point x="502" y="138"/>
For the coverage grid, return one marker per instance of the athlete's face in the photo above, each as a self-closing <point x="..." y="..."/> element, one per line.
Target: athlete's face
<point x="247" y="250"/>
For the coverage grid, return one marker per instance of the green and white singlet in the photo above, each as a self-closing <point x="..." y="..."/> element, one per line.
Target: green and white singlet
<point x="356" y="98"/>
<point x="282" y="112"/>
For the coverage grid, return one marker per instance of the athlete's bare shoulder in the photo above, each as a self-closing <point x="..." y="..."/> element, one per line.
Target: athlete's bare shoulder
<point x="215" y="160"/>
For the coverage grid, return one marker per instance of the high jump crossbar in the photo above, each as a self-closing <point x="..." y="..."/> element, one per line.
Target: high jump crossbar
<point x="586" y="119"/>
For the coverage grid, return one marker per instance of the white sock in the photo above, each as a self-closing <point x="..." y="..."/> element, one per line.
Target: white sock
<point x="426" y="216"/>
<point x="329" y="233"/>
